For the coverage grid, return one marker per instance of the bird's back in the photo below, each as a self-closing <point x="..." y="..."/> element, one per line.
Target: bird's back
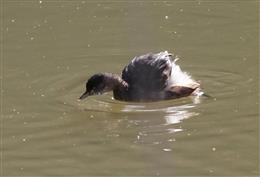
<point x="147" y="76"/>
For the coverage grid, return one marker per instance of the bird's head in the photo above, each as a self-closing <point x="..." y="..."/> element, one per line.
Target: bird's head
<point x="95" y="85"/>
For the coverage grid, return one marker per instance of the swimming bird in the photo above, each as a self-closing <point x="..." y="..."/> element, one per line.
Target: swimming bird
<point x="149" y="77"/>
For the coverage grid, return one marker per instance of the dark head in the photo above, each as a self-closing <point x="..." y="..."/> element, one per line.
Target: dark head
<point x="95" y="85"/>
<point x="103" y="82"/>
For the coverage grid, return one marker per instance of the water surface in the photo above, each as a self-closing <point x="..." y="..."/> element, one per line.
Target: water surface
<point x="50" y="48"/>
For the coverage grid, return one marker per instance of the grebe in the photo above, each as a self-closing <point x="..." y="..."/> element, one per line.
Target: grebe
<point x="149" y="77"/>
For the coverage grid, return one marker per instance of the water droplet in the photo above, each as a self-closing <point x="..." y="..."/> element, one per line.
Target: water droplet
<point x="241" y="38"/>
<point x="31" y="38"/>
<point x="211" y="171"/>
<point x="166" y="17"/>
<point x="214" y="149"/>
<point x="13" y="20"/>
<point x="156" y="143"/>
<point x="40" y="2"/>
<point x="167" y="150"/>
<point x="24" y="139"/>
<point x="250" y="80"/>
<point x="171" y="140"/>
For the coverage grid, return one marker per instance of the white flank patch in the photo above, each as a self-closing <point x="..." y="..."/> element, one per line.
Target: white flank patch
<point x="180" y="78"/>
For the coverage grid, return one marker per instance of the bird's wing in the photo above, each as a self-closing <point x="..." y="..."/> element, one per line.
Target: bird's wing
<point x="149" y="72"/>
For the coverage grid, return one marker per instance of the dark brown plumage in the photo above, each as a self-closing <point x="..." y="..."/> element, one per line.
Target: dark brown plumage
<point x="149" y="77"/>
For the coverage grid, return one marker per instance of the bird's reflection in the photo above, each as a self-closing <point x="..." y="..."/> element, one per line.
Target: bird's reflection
<point x="159" y="122"/>
<point x="150" y="123"/>
<point x="171" y="114"/>
<point x="174" y="115"/>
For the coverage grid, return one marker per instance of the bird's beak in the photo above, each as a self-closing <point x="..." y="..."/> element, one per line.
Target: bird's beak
<point x="84" y="95"/>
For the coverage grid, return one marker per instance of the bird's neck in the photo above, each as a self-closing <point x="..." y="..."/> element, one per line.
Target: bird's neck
<point x="115" y="82"/>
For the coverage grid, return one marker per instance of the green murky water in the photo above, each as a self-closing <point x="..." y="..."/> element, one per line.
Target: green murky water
<point x="50" y="48"/>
